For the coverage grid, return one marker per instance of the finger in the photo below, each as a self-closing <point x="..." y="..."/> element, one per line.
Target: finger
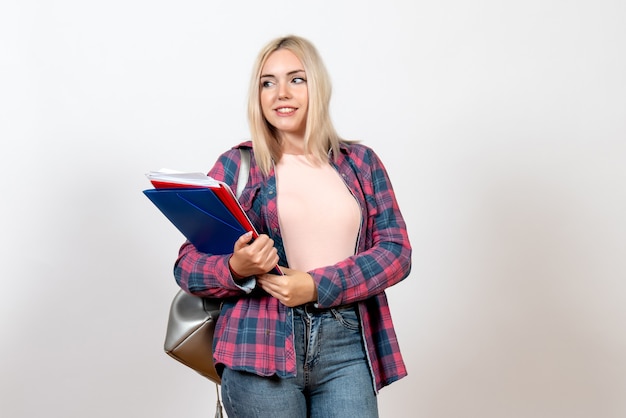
<point x="243" y="240"/>
<point x="267" y="258"/>
<point x="265" y="279"/>
<point x="262" y="243"/>
<point x="268" y="286"/>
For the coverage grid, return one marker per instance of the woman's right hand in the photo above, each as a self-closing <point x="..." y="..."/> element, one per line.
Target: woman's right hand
<point x="250" y="259"/>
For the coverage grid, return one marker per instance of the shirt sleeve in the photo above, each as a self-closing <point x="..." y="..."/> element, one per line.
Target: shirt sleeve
<point x="208" y="275"/>
<point x="204" y="274"/>
<point x="385" y="257"/>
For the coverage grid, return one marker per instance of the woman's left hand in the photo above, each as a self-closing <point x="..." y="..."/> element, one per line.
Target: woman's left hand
<point x="293" y="289"/>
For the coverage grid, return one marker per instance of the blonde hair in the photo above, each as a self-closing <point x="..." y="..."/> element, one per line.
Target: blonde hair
<point x="320" y="136"/>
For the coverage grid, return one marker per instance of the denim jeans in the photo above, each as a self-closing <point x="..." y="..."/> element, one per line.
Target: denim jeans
<point x="333" y="377"/>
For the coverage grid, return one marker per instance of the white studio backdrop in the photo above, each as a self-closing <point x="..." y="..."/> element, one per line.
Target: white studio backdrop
<point x="503" y="127"/>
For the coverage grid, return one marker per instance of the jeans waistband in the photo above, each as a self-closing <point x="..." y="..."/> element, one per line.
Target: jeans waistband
<point x="311" y="308"/>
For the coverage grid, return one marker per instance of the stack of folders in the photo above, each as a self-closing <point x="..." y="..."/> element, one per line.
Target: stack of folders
<point x="203" y="209"/>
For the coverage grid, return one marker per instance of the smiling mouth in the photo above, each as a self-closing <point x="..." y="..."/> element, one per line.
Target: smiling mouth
<point x="285" y="110"/>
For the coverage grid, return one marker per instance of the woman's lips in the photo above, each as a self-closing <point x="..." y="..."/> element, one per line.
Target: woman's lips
<point x="286" y="111"/>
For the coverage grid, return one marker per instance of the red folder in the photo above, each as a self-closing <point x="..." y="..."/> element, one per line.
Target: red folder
<point x="165" y="180"/>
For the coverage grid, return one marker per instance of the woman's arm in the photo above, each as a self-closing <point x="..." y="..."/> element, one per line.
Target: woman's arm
<point x="206" y="274"/>
<point x="386" y="258"/>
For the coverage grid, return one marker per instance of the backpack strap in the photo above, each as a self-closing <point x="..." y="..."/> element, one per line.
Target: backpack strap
<point x="244" y="170"/>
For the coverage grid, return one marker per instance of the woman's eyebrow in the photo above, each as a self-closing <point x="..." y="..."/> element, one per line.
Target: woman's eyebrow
<point x="289" y="73"/>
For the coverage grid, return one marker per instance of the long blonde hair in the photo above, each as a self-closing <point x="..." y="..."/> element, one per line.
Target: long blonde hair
<point x="320" y="136"/>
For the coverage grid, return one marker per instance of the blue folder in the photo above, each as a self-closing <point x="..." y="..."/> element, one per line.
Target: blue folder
<point x="200" y="216"/>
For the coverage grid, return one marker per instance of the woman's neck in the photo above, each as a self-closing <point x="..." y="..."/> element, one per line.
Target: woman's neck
<point x="292" y="144"/>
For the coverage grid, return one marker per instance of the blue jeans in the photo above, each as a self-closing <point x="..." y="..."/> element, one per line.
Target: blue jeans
<point x="333" y="377"/>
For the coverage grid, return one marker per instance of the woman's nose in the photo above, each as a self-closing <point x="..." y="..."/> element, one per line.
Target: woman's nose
<point x="283" y="91"/>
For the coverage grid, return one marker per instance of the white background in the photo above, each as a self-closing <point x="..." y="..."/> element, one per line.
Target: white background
<point x="502" y="125"/>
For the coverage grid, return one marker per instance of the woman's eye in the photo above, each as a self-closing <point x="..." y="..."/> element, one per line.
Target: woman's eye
<point x="298" y="80"/>
<point x="266" y="84"/>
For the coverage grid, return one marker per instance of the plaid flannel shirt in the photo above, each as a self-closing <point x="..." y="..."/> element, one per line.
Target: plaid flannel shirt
<point x="254" y="332"/>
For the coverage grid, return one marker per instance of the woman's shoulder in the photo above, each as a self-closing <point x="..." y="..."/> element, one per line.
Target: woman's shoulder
<point x="244" y="144"/>
<point x="235" y="148"/>
<point x="358" y="151"/>
<point x="233" y="153"/>
<point x="227" y="162"/>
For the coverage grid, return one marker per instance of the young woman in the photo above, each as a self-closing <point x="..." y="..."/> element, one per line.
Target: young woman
<point x="317" y="341"/>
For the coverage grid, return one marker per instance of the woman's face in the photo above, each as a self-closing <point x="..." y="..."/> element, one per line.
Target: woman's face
<point x="284" y="94"/>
